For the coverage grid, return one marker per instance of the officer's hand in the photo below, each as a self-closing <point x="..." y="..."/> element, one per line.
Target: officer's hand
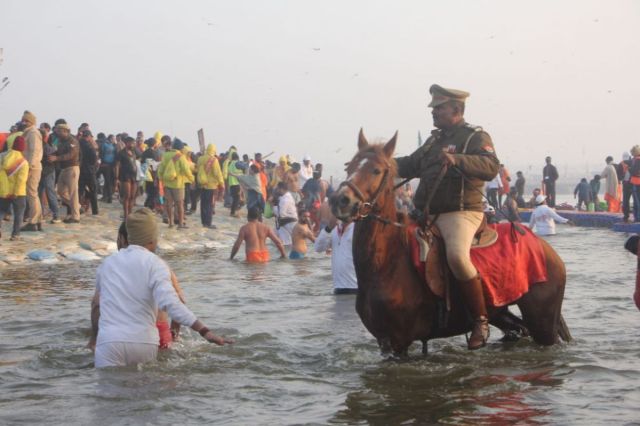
<point x="448" y="159"/>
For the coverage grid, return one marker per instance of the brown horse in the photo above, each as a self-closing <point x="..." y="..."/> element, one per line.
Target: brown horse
<point x="393" y="301"/>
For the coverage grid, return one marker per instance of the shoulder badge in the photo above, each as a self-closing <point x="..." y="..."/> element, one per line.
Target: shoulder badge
<point x="473" y="127"/>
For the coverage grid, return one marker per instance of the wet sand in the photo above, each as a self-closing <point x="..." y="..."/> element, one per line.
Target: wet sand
<point x="95" y="236"/>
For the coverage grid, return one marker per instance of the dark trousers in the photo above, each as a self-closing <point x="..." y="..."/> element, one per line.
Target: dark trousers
<point x="550" y="192"/>
<point x="627" y="190"/>
<point x="87" y="188"/>
<point x="492" y="195"/>
<point x="635" y="190"/>
<point x="206" y="206"/>
<point x="187" y="196"/>
<point x="234" y="190"/>
<point x="107" y="191"/>
<point x="194" y="194"/>
<point x="19" y="205"/>
<point x="48" y="188"/>
<point x="152" y="195"/>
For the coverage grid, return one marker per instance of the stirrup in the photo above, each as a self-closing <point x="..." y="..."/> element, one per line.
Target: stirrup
<point x="483" y="323"/>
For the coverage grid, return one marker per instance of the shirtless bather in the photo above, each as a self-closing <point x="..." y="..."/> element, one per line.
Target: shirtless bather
<point x="254" y="235"/>
<point x="301" y="232"/>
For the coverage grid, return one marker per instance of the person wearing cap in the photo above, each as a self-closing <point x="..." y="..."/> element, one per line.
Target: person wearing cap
<point x="68" y="156"/>
<point x="131" y="285"/>
<point x="463" y="156"/>
<point x="14" y="174"/>
<point x="490" y="213"/>
<point x="306" y="171"/>
<point x="33" y="154"/>
<point x="544" y="218"/>
<point x="174" y="175"/>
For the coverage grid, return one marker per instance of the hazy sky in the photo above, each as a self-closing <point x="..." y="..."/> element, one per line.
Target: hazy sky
<point x="556" y="78"/>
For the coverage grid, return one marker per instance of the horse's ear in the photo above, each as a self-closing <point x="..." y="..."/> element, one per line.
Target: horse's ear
<point x="390" y="146"/>
<point x="362" y="141"/>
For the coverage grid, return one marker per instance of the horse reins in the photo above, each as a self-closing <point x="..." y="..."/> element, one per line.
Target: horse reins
<point x="515" y="225"/>
<point x="366" y="208"/>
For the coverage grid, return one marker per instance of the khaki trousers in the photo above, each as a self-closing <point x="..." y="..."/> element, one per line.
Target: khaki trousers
<point x="33" y="200"/>
<point x="458" y="229"/>
<point x="68" y="190"/>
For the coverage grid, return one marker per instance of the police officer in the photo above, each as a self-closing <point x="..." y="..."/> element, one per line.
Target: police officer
<point x="456" y="203"/>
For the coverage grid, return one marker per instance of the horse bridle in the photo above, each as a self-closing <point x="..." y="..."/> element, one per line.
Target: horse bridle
<point x="366" y="207"/>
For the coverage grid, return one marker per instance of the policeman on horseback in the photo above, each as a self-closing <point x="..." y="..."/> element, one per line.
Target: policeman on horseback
<point x="453" y="165"/>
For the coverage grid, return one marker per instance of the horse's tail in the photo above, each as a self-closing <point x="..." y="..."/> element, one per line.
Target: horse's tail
<point x="563" y="329"/>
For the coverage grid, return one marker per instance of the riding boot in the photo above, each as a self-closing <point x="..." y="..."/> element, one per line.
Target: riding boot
<point x="473" y="297"/>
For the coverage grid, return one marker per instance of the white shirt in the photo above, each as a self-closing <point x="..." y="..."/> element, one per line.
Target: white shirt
<point x="495" y="183"/>
<point x="287" y="206"/>
<point x="340" y="240"/>
<point x="306" y="173"/>
<point x="133" y="283"/>
<point x="542" y="217"/>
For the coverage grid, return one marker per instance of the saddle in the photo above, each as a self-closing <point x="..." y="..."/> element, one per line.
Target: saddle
<point x="431" y="253"/>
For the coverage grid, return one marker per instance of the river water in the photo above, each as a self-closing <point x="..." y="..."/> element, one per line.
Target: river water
<point x="303" y="357"/>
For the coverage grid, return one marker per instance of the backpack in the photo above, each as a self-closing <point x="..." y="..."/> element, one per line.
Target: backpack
<point x="170" y="173"/>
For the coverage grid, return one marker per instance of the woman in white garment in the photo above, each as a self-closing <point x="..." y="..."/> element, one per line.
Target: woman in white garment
<point x="544" y="218"/>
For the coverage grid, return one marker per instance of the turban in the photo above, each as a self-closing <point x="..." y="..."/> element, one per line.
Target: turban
<point x="142" y="227"/>
<point x="29" y="118"/>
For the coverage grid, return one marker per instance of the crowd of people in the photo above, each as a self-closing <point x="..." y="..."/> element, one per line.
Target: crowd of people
<point x="46" y="169"/>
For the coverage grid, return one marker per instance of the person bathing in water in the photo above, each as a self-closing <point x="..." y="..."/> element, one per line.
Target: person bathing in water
<point x="131" y="285"/>
<point x="300" y="234"/>
<point x="254" y="234"/>
<point x="167" y="334"/>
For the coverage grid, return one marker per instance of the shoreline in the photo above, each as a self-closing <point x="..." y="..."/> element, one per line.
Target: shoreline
<point x="94" y="238"/>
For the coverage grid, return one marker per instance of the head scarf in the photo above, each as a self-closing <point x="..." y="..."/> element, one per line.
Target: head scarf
<point x="142" y="227"/>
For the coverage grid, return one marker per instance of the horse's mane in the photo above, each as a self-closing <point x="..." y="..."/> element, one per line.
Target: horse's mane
<point x="372" y="152"/>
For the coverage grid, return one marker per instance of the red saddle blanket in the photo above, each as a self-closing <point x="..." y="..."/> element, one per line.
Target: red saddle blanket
<point x="507" y="267"/>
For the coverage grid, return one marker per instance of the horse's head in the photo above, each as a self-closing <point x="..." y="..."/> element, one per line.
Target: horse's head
<point x="369" y="178"/>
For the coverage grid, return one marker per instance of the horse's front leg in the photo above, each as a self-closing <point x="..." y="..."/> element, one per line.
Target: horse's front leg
<point x="385" y="345"/>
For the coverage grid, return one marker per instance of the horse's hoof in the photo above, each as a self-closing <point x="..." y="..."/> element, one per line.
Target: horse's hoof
<point x="510" y="336"/>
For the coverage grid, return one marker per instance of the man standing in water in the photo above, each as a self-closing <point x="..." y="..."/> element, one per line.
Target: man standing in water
<point x="254" y="234"/>
<point x="301" y="233"/>
<point x="463" y="156"/>
<point x="338" y="236"/>
<point x="130" y="287"/>
<point x="549" y="178"/>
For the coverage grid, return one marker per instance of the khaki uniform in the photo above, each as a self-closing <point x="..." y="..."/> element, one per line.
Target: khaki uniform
<point x="68" y="154"/>
<point x="475" y="156"/>
<point x="457" y="200"/>
<point x="33" y="154"/>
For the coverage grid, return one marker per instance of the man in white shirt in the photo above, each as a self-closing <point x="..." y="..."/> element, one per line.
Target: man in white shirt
<point x="306" y="170"/>
<point x="131" y="285"/>
<point x="340" y="241"/>
<point x="544" y="218"/>
<point x="286" y="213"/>
<point x="493" y="189"/>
